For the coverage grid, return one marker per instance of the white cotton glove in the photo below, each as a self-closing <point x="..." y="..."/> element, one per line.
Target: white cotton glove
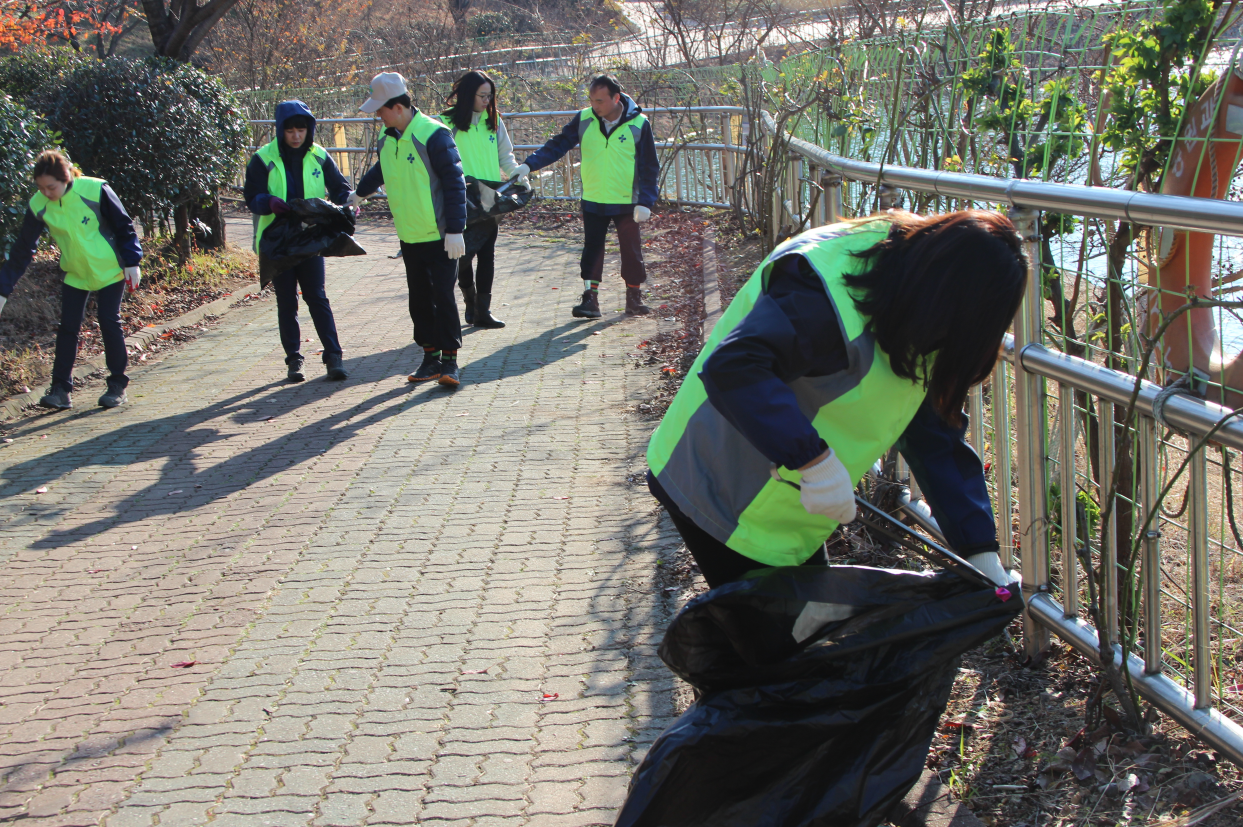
<point x="641" y="213"/>
<point x="132" y="278"/>
<point x="3" y="302"/>
<point x="827" y="490"/>
<point x="522" y="172"/>
<point x="989" y="562"/>
<point x="455" y="245"/>
<point x="354" y="200"/>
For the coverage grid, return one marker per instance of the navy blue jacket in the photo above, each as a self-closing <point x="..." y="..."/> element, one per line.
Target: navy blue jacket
<point x="647" y="165"/>
<point x="793" y="331"/>
<point x="111" y="212"/>
<point x="446" y="165"/>
<point x="256" y="189"/>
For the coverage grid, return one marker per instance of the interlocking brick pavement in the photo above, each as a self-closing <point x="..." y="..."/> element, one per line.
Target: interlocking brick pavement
<point x="403" y="604"/>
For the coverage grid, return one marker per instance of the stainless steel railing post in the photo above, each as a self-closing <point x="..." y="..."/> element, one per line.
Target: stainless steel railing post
<point x="1109" y="530"/>
<point x="1029" y="394"/>
<point x="1150" y="493"/>
<point x="1002" y="470"/>
<point x="1197" y="539"/>
<point x="832" y="183"/>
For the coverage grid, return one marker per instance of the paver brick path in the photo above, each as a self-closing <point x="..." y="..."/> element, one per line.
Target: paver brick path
<point x="403" y="604"/>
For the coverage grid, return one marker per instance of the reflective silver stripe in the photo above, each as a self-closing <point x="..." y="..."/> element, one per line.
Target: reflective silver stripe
<point x="105" y="230"/>
<point x="433" y="183"/>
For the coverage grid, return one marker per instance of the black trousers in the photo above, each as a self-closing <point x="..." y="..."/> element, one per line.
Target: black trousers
<point x="430" y="277"/>
<point x="482" y="274"/>
<point x="595" y="229"/>
<point x="72" y="312"/>
<point x="718" y="563"/>
<point x="309" y="276"/>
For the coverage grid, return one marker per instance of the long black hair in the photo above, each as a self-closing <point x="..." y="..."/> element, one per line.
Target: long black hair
<point x="948" y="284"/>
<point x="462" y="113"/>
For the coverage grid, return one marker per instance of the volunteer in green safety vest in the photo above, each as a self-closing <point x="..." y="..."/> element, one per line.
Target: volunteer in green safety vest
<point x="619" y="172"/>
<point x="487" y="155"/>
<point x="292" y="165"/>
<point x="99" y="253"/>
<point x="847" y="340"/>
<point x="421" y="173"/>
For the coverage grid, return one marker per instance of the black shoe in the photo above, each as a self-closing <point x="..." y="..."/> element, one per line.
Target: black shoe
<point x="333" y="363"/>
<point x="114" y="396"/>
<point x="590" y="308"/>
<point x="429" y="370"/>
<point x="449" y="375"/>
<point x="483" y="312"/>
<point x="634" y="302"/>
<point x="470" y="300"/>
<point x="294" y="374"/>
<point x="57" y="398"/>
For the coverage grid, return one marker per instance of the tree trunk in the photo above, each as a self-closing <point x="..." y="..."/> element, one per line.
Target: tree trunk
<point x="213" y="218"/>
<point x="181" y="237"/>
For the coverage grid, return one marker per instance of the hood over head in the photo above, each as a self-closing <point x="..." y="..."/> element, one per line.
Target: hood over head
<point x="286" y="110"/>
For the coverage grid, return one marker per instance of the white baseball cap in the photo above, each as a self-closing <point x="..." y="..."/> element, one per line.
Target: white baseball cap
<point x="384" y="87"/>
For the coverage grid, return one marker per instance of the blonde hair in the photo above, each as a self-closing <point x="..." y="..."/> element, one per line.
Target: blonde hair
<point x="54" y="163"/>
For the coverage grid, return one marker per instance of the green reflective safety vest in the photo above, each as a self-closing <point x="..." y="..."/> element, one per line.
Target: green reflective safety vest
<point x="721" y="482"/>
<point x="608" y="162"/>
<point x="414" y="195"/>
<point x="478" y="147"/>
<point x="313" y="185"/>
<point x="88" y="247"/>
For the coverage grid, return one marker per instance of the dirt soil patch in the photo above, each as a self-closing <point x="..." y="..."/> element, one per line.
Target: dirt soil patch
<point x="31" y="318"/>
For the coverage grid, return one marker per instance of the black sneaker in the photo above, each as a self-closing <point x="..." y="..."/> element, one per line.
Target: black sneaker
<point x="590" y="307"/>
<point x="114" y="396"/>
<point x="333" y="364"/>
<point x="634" y="302"/>
<point x="449" y="375"/>
<point x="295" y="370"/>
<point x="57" y="398"/>
<point x="429" y="370"/>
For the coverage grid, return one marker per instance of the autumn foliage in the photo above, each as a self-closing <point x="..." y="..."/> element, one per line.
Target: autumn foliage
<point x="36" y="22"/>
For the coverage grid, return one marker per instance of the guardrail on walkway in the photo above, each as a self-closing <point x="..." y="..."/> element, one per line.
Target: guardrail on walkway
<point x="699" y="150"/>
<point x="1179" y="670"/>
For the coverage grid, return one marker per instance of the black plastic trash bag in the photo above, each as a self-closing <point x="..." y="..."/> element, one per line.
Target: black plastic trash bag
<point x="487" y="200"/>
<point x="821" y="689"/>
<point x="312" y="227"/>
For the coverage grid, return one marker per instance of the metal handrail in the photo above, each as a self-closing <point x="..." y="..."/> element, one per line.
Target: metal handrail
<point x="1033" y="364"/>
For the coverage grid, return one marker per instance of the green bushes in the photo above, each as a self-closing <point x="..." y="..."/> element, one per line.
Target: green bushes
<point x="164" y="134"/>
<point x="22" y="136"/>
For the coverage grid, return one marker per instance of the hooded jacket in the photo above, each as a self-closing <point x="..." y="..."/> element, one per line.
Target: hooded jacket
<point x="256" y="188"/>
<point x="647" y="166"/>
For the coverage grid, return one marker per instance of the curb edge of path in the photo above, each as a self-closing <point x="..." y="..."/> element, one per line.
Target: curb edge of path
<point x="13" y="407"/>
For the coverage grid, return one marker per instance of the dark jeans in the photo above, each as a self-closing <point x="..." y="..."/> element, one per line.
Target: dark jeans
<point x="482" y="275"/>
<point x="718" y="563"/>
<point x="72" y="311"/>
<point x="595" y="228"/>
<point x="309" y="275"/>
<point x="430" y="276"/>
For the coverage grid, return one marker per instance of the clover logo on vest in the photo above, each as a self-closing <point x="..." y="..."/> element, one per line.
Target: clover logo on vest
<point x="622" y="138"/>
<point x="315" y="173"/>
<point x="410" y="157"/>
<point x="86" y="219"/>
<point x="492" y="138"/>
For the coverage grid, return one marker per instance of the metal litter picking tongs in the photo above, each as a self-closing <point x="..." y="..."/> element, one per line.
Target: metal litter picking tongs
<point x="879" y="521"/>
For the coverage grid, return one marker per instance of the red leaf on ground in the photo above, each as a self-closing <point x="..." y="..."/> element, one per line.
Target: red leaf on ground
<point x="551" y="697"/>
<point x="476" y="671"/>
<point x="184" y="664"/>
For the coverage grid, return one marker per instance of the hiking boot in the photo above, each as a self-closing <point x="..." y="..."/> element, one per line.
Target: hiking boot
<point x="114" y="396"/>
<point x="57" y="398"/>
<point x="449" y="375"/>
<point x="294" y="373"/>
<point x="429" y="370"/>
<point x="590" y="308"/>
<point x="333" y="364"/>
<point x="634" y="302"/>
<point x="483" y="312"/>
<point x="470" y="300"/>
